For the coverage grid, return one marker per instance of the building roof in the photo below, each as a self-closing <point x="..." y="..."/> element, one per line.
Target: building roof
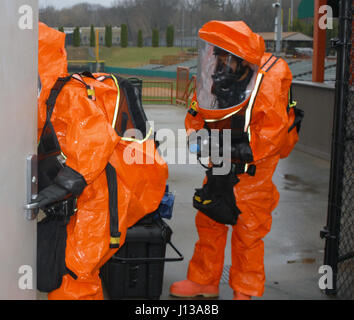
<point x="85" y="29"/>
<point x="97" y="28"/>
<point x="288" y="36"/>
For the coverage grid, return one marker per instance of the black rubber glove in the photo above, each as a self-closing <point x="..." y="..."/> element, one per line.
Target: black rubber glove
<point x="51" y="194"/>
<point x="242" y="151"/>
<point x="67" y="182"/>
<point x="240" y="147"/>
<point x="70" y="180"/>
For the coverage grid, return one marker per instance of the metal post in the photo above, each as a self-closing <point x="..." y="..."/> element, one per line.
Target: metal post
<point x="97" y="51"/>
<point x="278" y="27"/>
<point x="319" y="44"/>
<point x="183" y="28"/>
<point x="292" y="14"/>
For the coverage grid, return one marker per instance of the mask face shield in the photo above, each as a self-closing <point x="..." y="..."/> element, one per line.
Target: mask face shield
<point x="224" y="79"/>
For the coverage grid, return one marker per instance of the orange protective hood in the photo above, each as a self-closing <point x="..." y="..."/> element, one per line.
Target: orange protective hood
<point x="52" y="60"/>
<point x="235" y="37"/>
<point x="52" y="63"/>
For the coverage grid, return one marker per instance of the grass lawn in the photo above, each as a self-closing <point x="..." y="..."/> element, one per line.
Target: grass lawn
<point x="121" y="57"/>
<point x="129" y="58"/>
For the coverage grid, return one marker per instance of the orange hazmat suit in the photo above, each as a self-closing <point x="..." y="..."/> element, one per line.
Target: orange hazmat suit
<point x="266" y="124"/>
<point x="86" y="123"/>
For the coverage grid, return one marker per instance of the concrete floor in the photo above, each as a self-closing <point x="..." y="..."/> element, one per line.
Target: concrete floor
<point x="293" y="248"/>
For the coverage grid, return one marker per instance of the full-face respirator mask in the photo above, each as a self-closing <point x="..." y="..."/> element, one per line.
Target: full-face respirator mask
<point x="225" y="80"/>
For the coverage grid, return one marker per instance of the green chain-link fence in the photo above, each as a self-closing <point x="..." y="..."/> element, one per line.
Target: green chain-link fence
<point x="339" y="232"/>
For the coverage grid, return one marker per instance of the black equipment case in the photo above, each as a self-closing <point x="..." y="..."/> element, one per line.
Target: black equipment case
<point x="136" y="270"/>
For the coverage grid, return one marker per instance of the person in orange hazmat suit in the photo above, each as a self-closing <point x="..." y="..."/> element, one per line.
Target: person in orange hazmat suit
<point x="242" y="88"/>
<point x="85" y="117"/>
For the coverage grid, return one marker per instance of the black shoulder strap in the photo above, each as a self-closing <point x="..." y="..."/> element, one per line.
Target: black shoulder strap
<point x="48" y="142"/>
<point x="54" y="93"/>
<point x="290" y="98"/>
<point x="264" y="64"/>
<point x="50" y="103"/>
<point x="269" y="63"/>
<point x="59" y="85"/>
<point x="111" y="176"/>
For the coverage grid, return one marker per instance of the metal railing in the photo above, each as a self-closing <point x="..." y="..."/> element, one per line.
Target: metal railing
<point x="157" y="91"/>
<point x="339" y="231"/>
<point x="86" y="65"/>
<point x="185" y="87"/>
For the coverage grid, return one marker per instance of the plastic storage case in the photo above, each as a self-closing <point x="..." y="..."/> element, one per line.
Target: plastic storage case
<point x="136" y="270"/>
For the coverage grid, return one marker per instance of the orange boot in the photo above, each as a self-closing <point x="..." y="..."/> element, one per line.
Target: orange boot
<point x="241" y="296"/>
<point x="189" y="289"/>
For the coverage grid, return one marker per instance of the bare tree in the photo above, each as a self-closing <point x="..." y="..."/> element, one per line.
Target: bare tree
<point x="187" y="16"/>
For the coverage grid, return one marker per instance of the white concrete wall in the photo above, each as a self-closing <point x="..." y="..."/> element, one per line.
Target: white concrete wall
<point x="18" y="126"/>
<point x="317" y="101"/>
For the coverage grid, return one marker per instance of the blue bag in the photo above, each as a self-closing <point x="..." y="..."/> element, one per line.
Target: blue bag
<point x="166" y="206"/>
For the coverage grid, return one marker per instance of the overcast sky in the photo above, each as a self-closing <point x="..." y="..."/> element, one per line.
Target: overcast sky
<point x="68" y="3"/>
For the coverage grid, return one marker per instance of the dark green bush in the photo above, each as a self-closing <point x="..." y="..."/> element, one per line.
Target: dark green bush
<point x="76" y="37"/>
<point x="169" y="36"/>
<point x="155" y="38"/>
<point x="92" y="37"/>
<point x="124" y="36"/>
<point x="108" y="36"/>
<point x="140" y="38"/>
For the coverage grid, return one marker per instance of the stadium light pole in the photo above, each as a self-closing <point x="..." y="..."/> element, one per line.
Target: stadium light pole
<point x="182" y="27"/>
<point x="292" y="14"/>
<point x="278" y="27"/>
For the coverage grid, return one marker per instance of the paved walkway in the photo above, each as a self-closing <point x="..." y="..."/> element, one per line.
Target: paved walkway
<point x="293" y="248"/>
